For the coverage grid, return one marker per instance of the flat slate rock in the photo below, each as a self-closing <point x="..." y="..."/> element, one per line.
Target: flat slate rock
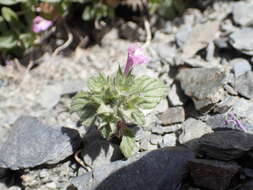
<point x="156" y="170"/>
<point x="212" y="174"/>
<point x="226" y="145"/>
<point x="203" y="85"/>
<point x="244" y="84"/>
<point x="240" y="66"/>
<point x="172" y="116"/>
<point x="31" y="143"/>
<point x="242" y="40"/>
<point x="242" y="13"/>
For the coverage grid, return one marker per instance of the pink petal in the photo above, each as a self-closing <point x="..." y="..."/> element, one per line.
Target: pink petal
<point x="135" y="57"/>
<point x="40" y="24"/>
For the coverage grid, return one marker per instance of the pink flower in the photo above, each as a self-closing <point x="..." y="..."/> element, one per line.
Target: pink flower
<point x="135" y="57"/>
<point x="40" y="24"/>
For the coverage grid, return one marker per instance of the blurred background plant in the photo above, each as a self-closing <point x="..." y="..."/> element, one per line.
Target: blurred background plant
<point x="17" y="16"/>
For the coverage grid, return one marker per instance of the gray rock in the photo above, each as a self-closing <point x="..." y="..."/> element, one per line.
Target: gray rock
<point x="183" y="35"/>
<point x="242" y="13"/>
<point x="172" y="116"/>
<point x="218" y="121"/>
<point x="132" y="31"/>
<point x="244" y="84"/>
<point x="51" y="94"/>
<point x="210" y="51"/>
<point x="221" y="43"/>
<point x="155" y="139"/>
<point x="165" y="129"/>
<point x="203" y="85"/>
<point x="200" y="37"/>
<point x="193" y="129"/>
<point x="146" y="145"/>
<point x="169" y="140"/>
<point x="225" y="105"/>
<point x="243" y="108"/>
<point x="165" y="52"/>
<point x="226" y="145"/>
<point x="242" y="40"/>
<point x="176" y="96"/>
<point x="31" y="143"/>
<point x="240" y="66"/>
<point x="212" y="174"/>
<point x="100" y="152"/>
<point x="155" y="170"/>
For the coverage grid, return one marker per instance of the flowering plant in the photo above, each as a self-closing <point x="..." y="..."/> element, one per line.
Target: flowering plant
<point x="114" y="101"/>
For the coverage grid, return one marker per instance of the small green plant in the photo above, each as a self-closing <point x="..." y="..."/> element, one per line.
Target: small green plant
<point x="114" y="101"/>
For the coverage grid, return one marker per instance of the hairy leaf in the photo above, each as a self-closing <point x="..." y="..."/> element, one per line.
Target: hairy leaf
<point x="11" y="2"/>
<point x="97" y="83"/>
<point x="128" y="145"/>
<point x="7" y="42"/>
<point x="88" y="114"/>
<point x="79" y="101"/>
<point x="150" y="91"/>
<point x="138" y="117"/>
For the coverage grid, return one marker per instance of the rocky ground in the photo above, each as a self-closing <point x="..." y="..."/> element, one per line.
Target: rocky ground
<point x="205" y="58"/>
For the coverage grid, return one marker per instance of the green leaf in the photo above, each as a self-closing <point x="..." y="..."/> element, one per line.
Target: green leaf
<point x="3" y="26"/>
<point x="106" y="131"/>
<point x="27" y="39"/>
<point x="52" y="1"/>
<point x="9" y="15"/>
<point x="97" y="83"/>
<point x="88" y="114"/>
<point x="150" y="91"/>
<point x="128" y="145"/>
<point x="79" y="101"/>
<point x="138" y="117"/>
<point x="7" y="42"/>
<point x="11" y="2"/>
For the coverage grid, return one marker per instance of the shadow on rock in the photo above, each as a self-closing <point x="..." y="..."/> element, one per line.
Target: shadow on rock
<point x="156" y="170"/>
<point x="212" y="161"/>
<point x="98" y="151"/>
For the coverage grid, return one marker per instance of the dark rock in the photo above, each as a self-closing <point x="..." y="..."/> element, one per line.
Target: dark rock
<point x="172" y="116"/>
<point x="244" y="84"/>
<point x="203" y="85"/>
<point x="242" y="40"/>
<point x="226" y="145"/>
<point x="155" y="170"/>
<point x="248" y="172"/>
<point x="100" y="152"/>
<point x="193" y="129"/>
<point x="212" y="174"/>
<point x="247" y="186"/>
<point x="242" y="13"/>
<point x="31" y="143"/>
